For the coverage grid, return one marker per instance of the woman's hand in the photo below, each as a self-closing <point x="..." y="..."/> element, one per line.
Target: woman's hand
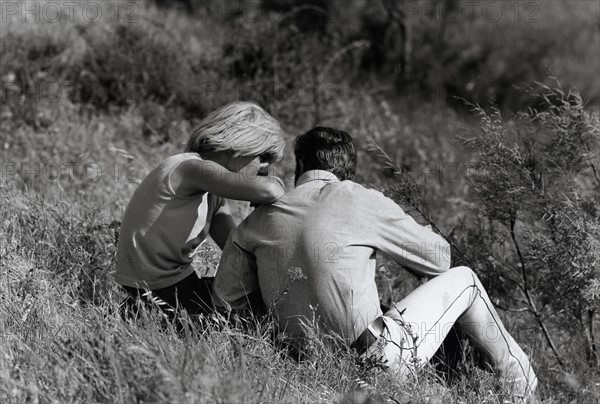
<point x="197" y="176"/>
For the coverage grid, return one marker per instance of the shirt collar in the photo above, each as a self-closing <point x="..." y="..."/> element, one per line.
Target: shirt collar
<point x="317" y="175"/>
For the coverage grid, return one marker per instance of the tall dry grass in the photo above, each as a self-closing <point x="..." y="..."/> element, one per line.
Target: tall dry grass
<point x="88" y="109"/>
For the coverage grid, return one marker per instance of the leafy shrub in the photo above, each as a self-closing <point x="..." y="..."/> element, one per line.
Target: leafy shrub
<point x="483" y="50"/>
<point x="132" y="63"/>
<point x="533" y="233"/>
<point x="537" y="178"/>
<point x="28" y="61"/>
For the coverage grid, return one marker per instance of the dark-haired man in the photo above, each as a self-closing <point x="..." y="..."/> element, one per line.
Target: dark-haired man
<point x="311" y="257"/>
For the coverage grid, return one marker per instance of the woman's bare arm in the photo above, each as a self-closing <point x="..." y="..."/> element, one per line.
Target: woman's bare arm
<point x="197" y="176"/>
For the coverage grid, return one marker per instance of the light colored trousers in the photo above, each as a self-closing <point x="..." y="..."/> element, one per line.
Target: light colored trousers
<point x="417" y="325"/>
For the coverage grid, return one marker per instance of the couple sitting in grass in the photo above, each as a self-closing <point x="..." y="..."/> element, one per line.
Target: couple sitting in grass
<point x="308" y="255"/>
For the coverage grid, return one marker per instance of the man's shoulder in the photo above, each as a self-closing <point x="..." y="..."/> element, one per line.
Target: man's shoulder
<point x="258" y="215"/>
<point x="357" y="189"/>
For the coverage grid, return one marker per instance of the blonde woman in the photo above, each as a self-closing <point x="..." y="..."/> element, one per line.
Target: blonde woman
<point x="182" y="201"/>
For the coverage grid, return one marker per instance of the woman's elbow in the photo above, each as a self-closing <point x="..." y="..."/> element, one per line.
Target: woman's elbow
<point x="276" y="188"/>
<point x="271" y="193"/>
<point x="276" y="192"/>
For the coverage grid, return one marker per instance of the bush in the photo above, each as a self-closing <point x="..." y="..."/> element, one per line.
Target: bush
<point x="533" y="234"/>
<point x="544" y="170"/>
<point x="483" y="50"/>
<point x="28" y="62"/>
<point x="132" y="64"/>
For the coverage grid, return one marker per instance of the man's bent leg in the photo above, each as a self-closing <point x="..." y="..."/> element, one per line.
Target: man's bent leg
<point x="430" y="311"/>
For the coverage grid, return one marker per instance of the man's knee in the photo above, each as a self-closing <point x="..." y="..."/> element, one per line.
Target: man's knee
<point x="465" y="276"/>
<point x="462" y="272"/>
<point x="468" y="280"/>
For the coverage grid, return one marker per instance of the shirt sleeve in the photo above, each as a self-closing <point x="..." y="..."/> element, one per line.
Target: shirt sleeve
<point x="405" y="241"/>
<point x="236" y="276"/>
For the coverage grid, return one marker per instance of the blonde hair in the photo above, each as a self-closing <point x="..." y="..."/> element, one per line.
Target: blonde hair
<point x="241" y="128"/>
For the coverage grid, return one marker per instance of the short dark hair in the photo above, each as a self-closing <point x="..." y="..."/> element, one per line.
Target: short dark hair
<point x="323" y="148"/>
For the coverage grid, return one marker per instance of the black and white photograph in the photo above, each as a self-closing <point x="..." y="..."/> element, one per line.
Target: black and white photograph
<point x="300" y="201"/>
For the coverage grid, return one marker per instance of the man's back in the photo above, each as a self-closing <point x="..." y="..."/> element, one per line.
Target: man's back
<point x="312" y="254"/>
<point x="311" y="258"/>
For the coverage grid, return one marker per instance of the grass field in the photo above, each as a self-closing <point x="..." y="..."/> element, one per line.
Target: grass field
<point x="92" y="102"/>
